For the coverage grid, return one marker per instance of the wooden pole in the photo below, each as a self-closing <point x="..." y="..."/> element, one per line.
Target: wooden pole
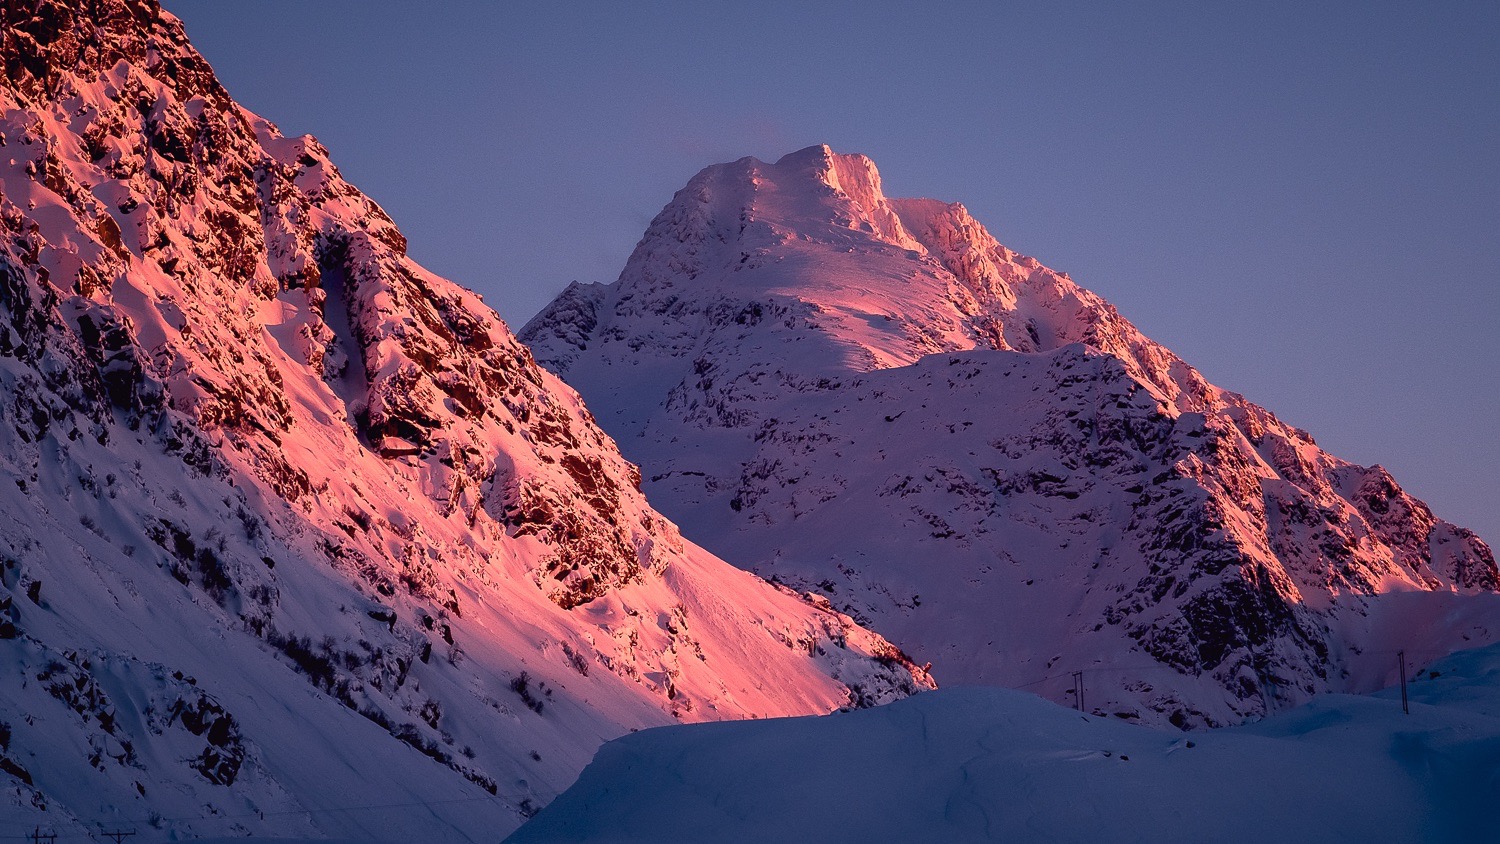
<point x="1401" y="663"/>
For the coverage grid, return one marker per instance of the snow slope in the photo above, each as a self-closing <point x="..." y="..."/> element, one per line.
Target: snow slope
<point x="295" y="537"/>
<point x="872" y="399"/>
<point x="977" y="764"/>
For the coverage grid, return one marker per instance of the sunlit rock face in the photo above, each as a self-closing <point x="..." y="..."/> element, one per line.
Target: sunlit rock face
<point x="288" y="523"/>
<point x="872" y="399"/>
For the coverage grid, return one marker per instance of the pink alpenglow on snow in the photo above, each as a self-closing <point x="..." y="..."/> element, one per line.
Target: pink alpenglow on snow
<point x="295" y="537"/>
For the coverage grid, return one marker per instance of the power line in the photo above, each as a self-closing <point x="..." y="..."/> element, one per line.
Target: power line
<point x="1097" y="669"/>
<point x="1131" y="669"/>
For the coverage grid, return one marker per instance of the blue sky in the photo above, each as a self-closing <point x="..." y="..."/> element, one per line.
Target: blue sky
<point x="1300" y="199"/>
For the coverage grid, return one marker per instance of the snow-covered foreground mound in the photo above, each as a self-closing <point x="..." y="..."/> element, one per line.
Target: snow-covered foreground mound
<point x="979" y="764"/>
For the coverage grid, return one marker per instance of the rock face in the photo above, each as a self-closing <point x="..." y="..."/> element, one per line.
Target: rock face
<point x="289" y="524"/>
<point x="872" y="399"/>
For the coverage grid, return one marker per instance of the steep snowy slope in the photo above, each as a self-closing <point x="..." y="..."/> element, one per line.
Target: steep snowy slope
<point x="295" y="538"/>
<point x="872" y="399"/>
<point x="994" y="765"/>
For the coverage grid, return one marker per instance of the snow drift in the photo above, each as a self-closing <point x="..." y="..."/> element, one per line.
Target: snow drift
<point x="974" y="764"/>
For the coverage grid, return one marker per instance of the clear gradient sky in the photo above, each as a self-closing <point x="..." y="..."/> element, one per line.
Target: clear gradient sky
<point x="1303" y="200"/>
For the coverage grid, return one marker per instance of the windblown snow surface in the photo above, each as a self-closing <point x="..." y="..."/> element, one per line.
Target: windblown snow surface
<point x="984" y="764"/>
<point x="872" y="399"/>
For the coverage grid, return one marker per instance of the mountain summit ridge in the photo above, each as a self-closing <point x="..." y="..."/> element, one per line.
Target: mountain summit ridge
<point x="788" y="353"/>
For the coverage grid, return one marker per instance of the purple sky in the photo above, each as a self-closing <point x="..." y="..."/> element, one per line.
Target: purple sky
<point x="1303" y="200"/>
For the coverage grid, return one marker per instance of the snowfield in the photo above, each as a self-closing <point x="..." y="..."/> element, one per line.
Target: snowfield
<point x="985" y="764"/>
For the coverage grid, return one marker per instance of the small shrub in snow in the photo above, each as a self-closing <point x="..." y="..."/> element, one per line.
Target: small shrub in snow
<point x="521" y="685"/>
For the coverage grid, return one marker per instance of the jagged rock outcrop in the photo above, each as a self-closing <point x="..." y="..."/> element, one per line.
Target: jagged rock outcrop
<point x="289" y="524"/>
<point x="873" y="399"/>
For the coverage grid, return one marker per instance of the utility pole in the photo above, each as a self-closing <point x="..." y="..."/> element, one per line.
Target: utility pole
<point x="1401" y="662"/>
<point x="118" y="835"/>
<point x="37" y="836"/>
<point x="1078" y="690"/>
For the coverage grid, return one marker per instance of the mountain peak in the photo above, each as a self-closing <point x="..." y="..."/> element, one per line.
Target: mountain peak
<point x="852" y="175"/>
<point x="917" y="276"/>
<point x="790" y="353"/>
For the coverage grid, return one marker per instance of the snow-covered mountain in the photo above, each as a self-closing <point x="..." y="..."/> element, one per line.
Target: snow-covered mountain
<point x="872" y="399"/>
<point x="978" y="764"/>
<point x="295" y="537"/>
